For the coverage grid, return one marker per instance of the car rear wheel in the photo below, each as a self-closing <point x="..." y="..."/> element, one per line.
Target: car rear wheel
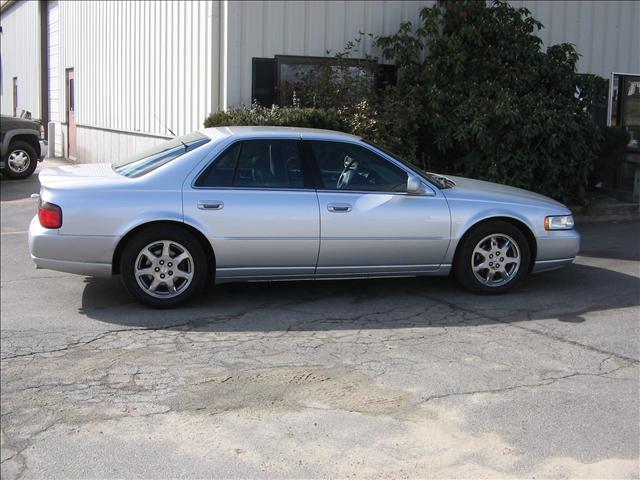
<point x="22" y="160"/>
<point x="163" y="266"/>
<point x="493" y="258"/>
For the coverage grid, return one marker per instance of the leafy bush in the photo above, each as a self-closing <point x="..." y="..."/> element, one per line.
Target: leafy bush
<point x="280" y="117"/>
<point x="493" y="104"/>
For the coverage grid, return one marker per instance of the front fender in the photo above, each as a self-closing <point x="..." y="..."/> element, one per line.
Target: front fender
<point x="465" y="215"/>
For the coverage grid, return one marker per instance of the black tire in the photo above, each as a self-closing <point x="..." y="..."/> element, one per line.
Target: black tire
<point x="21" y="147"/>
<point x="132" y="253"/>
<point x="462" y="267"/>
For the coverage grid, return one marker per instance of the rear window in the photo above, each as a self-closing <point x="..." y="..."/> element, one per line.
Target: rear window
<point x="161" y="154"/>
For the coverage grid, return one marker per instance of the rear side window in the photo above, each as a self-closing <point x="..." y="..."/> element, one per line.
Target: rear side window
<point x="159" y="155"/>
<point x="256" y="163"/>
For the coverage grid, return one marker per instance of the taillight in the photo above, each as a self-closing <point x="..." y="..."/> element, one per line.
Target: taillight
<point x="41" y="130"/>
<point x="50" y="215"/>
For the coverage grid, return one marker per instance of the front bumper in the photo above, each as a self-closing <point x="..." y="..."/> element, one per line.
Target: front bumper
<point x="83" y="255"/>
<point x="548" y="265"/>
<point x="556" y="249"/>
<point x="44" y="146"/>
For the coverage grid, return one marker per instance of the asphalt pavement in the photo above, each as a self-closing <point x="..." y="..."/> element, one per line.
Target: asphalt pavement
<point x="401" y="378"/>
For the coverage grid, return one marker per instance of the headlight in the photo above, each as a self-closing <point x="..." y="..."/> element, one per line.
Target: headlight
<point x="562" y="222"/>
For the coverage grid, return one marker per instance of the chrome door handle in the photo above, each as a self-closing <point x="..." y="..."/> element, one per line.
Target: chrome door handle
<point x="210" y="205"/>
<point x="339" y="207"/>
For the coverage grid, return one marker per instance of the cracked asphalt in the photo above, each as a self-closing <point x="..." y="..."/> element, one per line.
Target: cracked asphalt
<point x="401" y="378"/>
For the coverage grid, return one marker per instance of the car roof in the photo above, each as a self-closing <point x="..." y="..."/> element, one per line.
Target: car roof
<point x="281" y="132"/>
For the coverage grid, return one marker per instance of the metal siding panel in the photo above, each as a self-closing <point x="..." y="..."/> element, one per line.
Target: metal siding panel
<point x="21" y="58"/>
<point x="604" y="32"/>
<point x="133" y="60"/>
<point x="315" y="39"/>
<point x="633" y="56"/>
<point x="302" y="28"/>
<point x="374" y="23"/>
<point x="210" y="88"/>
<point x="355" y="20"/>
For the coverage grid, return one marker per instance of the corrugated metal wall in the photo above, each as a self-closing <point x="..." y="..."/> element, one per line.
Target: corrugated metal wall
<point x="606" y="33"/>
<point x="21" y="57"/>
<point x="136" y="59"/>
<point x="265" y="29"/>
<point x="180" y="60"/>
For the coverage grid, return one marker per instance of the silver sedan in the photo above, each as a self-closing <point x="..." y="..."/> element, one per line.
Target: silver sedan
<point x="265" y="203"/>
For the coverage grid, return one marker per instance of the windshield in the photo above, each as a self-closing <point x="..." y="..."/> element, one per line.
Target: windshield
<point x="439" y="180"/>
<point x="161" y="154"/>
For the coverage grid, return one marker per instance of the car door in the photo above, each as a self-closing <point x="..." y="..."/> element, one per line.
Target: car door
<point x="255" y="206"/>
<point x="368" y="222"/>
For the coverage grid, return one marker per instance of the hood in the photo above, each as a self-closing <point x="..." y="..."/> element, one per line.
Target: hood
<point x="479" y="189"/>
<point x="15" y="123"/>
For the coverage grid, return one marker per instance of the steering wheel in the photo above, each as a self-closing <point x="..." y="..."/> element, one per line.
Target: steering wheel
<point x="343" y="179"/>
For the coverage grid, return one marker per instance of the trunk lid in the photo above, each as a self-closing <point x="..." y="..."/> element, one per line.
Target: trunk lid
<point x="79" y="176"/>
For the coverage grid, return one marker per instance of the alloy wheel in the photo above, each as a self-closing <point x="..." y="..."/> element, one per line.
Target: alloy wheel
<point x="164" y="269"/>
<point x="496" y="260"/>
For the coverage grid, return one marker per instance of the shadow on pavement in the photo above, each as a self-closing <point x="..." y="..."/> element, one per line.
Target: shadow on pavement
<point x="369" y="304"/>
<point x="619" y="240"/>
<point x="18" y="189"/>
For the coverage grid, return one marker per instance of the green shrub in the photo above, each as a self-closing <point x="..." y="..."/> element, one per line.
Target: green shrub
<point x="492" y="104"/>
<point x="277" y="116"/>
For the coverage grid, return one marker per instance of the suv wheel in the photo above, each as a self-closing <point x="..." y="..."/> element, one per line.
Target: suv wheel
<point x="22" y="160"/>
<point x="163" y="266"/>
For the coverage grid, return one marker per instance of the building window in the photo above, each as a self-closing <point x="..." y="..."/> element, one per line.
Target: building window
<point x="625" y="106"/>
<point x="272" y="78"/>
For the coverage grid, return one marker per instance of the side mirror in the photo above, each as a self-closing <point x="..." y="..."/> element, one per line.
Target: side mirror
<point x="416" y="187"/>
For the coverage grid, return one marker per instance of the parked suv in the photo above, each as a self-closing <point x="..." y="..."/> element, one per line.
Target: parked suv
<point x="22" y="146"/>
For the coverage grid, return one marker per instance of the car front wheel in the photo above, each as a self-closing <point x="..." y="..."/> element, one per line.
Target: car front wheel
<point x="163" y="266"/>
<point x="493" y="258"/>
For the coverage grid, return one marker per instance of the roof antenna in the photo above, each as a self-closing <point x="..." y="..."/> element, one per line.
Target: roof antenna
<point x="171" y="132"/>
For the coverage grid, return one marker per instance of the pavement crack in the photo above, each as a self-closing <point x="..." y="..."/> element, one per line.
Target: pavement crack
<point x="532" y="330"/>
<point x="194" y="323"/>
<point x="542" y="383"/>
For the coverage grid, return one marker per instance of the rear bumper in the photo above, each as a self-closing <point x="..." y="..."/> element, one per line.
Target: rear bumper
<point x="83" y="255"/>
<point x="80" y="268"/>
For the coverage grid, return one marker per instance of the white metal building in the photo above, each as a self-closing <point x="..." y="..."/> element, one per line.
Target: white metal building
<point x="107" y="72"/>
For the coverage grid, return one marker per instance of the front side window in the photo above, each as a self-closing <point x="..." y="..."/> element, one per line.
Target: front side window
<point x="346" y="166"/>
<point x="159" y="155"/>
<point x="256" y="163"/>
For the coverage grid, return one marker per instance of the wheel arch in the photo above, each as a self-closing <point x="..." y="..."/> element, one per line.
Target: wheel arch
<point x="29" y="138"/>
<point x="202" y="239"/>
<point x="519" y="224"/>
